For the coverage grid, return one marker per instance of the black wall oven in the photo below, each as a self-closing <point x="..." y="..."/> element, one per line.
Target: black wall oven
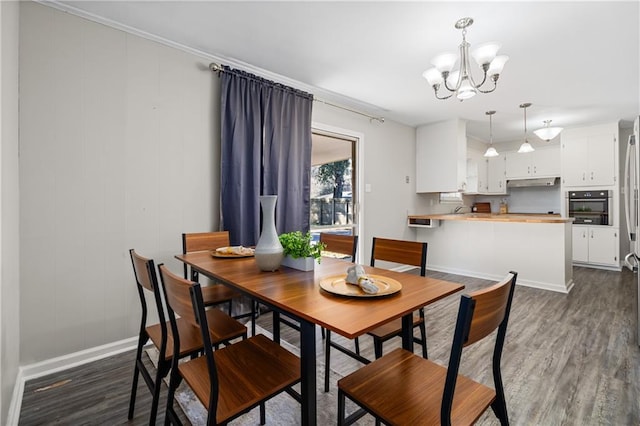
<point x="590" y="207"/>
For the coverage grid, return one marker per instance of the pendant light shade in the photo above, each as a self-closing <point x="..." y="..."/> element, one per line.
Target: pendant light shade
<point x="547" y="133"/>
<point x="526" y="146"/>
<point x="491" y="151"/>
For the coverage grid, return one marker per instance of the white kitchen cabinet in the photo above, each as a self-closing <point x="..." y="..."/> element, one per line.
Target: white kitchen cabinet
<point x="596" y="245"/>
<point x="496" y="175"/>
<point x="543" y="162"/>
<point x="476" y="173"/>
<point x="441" y="157"/>
<point x="589" y="156"/>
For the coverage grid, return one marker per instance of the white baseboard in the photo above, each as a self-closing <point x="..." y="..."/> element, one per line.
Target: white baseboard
<point x="54" y="365"/>
<point x="534" y="284"/>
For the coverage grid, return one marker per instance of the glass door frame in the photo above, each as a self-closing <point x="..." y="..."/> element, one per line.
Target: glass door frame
<point x="357" y="163"/>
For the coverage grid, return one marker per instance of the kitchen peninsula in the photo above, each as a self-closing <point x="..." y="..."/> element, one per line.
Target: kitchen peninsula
<point x="487" y="245"/>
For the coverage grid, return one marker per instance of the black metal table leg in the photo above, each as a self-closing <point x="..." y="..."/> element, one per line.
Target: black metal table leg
<point x="308" y="367"/>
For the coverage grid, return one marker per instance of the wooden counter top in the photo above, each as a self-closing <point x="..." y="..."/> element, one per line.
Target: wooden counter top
<point x="491" y="217"/>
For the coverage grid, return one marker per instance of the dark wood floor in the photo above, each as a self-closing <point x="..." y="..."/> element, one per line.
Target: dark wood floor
<point x="568" y="360"/>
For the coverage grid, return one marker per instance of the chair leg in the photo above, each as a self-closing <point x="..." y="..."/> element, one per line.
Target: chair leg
<point x="501" y="412"/>
<point x="254" y="315"/>
<point x="423" y="335"/>
<point x="171" y="416"/>
<point x="160" y="373"/>
<point x="134" y="388"/>
<point x="263" y="416"/>
<point x="377" y="347"/>
<point x="142" y="339"/>
<point x="327" y="360"/>
<point x="322" y="332"/>
<point x="341" y="403"/>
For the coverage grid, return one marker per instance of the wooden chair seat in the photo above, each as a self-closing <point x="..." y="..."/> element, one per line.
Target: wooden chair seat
<point x="392" y="328"/>
<point x="190" y="338"/>
<point x="404" y="389"/>
<point x="241" y="363"/>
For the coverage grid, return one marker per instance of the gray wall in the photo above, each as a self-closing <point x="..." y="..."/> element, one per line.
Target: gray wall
<point x="119" y="149"/>
<point x="116" y="152"/>
<point x="9" y="212"/>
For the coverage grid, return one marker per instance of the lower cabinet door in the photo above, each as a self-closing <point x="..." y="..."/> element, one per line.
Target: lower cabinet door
<point x="580" y="244"/>
<point x="603" y="246"/>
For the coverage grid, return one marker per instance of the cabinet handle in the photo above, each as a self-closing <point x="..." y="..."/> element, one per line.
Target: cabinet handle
<point x="528" y="170"/>
<point x="535" y="170"/>
<point x="583" y="176"/>
<point x="591" y="175"/>
<point x="592" y="234"/>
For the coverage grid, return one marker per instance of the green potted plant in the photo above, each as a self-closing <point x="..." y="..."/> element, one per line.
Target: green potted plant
<point x="299" y="250"/>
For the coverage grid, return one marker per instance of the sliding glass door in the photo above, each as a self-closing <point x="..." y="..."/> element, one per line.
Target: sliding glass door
<point x="333" y="183"/>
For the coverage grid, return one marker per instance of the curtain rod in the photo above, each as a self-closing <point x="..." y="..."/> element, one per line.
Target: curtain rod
<point x="218" y="68"/>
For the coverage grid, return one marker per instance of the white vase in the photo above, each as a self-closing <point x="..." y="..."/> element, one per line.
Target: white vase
<point x="269" y="251"/>
<point x="301" y="263"/>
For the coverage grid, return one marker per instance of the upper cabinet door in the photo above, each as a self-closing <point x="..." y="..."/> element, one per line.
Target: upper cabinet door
<point x="543" y="162"/>
<point x="574" y="161"/>
<point x="546" y="162"/>
<point x="441" y="157"/>
<point x="602" y="158"/>
<point x="519" y="165"/>
<point x="496" y="175"/>
<point x="589" y="156"/>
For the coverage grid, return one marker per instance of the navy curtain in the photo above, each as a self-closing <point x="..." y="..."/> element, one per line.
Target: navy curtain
<point x="266" y="150"/>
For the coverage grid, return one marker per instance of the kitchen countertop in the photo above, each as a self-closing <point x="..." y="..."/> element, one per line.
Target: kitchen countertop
<point x="492" y="217"/>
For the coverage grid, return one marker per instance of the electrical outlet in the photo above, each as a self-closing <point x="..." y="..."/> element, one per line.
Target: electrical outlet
<point x="406" y="179"/>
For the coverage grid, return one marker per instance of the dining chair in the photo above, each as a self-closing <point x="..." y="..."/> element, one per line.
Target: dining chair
<point x="344" y="245"/>
<point x="341" y="244"/>
<point x="412" y="253"/>
<point x="229" y="381"/>
<point x="162" y="336"/>
<point x="215" y="294"/>
<point x="397" y="251"/>
<point x="424" y="392"/>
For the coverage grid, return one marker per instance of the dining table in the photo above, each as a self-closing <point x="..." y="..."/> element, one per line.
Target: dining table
<point x="310" y="298"/>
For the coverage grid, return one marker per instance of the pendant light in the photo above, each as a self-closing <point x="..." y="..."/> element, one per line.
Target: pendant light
<point x="547" y="133"/>
<point x="526" y="146"/>
<point x="491" y="151"/>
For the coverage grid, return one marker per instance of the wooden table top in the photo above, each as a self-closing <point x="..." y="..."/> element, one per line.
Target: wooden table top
<point x="299" y="292"/>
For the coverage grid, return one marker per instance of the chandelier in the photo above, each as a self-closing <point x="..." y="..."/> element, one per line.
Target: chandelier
<point x="491" y="151"/>
<point x="526" y="146"/>
<point x="547" y="133"/>
<point x="460" y="82"/>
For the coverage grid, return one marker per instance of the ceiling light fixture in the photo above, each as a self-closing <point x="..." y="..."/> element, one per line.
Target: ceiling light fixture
<point x="460" y="82"/>
<point x="547" y="133"/>
<point x="526" y="146"/>
<point x="491" y="151"/>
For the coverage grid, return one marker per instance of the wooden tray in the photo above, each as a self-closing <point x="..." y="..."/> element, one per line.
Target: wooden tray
<point x="336" y="284"/>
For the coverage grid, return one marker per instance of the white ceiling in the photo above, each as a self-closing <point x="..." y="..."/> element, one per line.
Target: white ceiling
<point x="576" y="62"/>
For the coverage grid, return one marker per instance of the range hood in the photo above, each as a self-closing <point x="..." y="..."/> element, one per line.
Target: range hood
<point x="521" y="183"/>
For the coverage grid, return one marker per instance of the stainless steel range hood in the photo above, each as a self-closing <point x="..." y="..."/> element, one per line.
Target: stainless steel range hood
<point x="521" y="183"/>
